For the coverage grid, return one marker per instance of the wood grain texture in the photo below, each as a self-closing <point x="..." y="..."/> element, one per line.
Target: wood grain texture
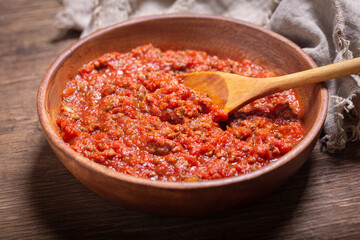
<point x="40" y="199"/>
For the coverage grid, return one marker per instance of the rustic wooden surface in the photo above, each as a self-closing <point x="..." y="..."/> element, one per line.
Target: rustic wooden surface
<point x="40" y="199"/>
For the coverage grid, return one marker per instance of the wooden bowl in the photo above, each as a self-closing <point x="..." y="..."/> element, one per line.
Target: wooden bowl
<point x="224" y="37"/>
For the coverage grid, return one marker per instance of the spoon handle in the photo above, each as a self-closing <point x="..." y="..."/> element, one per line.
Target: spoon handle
<point x="316" y="75"/>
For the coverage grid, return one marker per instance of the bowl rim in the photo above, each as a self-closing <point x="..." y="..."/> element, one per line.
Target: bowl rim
<point x="55" y="139"/>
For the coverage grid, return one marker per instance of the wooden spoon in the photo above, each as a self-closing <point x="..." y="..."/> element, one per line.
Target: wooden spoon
<point x="231" y="91"/>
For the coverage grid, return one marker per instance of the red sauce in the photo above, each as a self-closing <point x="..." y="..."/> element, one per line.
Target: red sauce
<point x="131" y="113"/>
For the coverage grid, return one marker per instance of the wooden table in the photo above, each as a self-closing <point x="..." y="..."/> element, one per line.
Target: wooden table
<point x="40" y="199"/>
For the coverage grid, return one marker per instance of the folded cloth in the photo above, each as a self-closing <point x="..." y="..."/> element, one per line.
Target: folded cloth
<point x="328" y="30"/>
<point x="90" y="15"/>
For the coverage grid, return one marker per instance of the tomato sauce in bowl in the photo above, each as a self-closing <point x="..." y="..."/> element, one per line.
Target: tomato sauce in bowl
<point x="130" y="112"/>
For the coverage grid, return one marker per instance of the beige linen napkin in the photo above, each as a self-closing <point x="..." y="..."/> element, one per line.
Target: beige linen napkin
<point x="328" y="30"/>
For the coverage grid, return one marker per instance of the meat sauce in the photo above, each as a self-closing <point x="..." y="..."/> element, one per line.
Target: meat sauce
<point x="130" y="112"/>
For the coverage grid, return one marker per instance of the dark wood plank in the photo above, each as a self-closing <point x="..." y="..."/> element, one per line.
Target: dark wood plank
<point x="40" y="199"/>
